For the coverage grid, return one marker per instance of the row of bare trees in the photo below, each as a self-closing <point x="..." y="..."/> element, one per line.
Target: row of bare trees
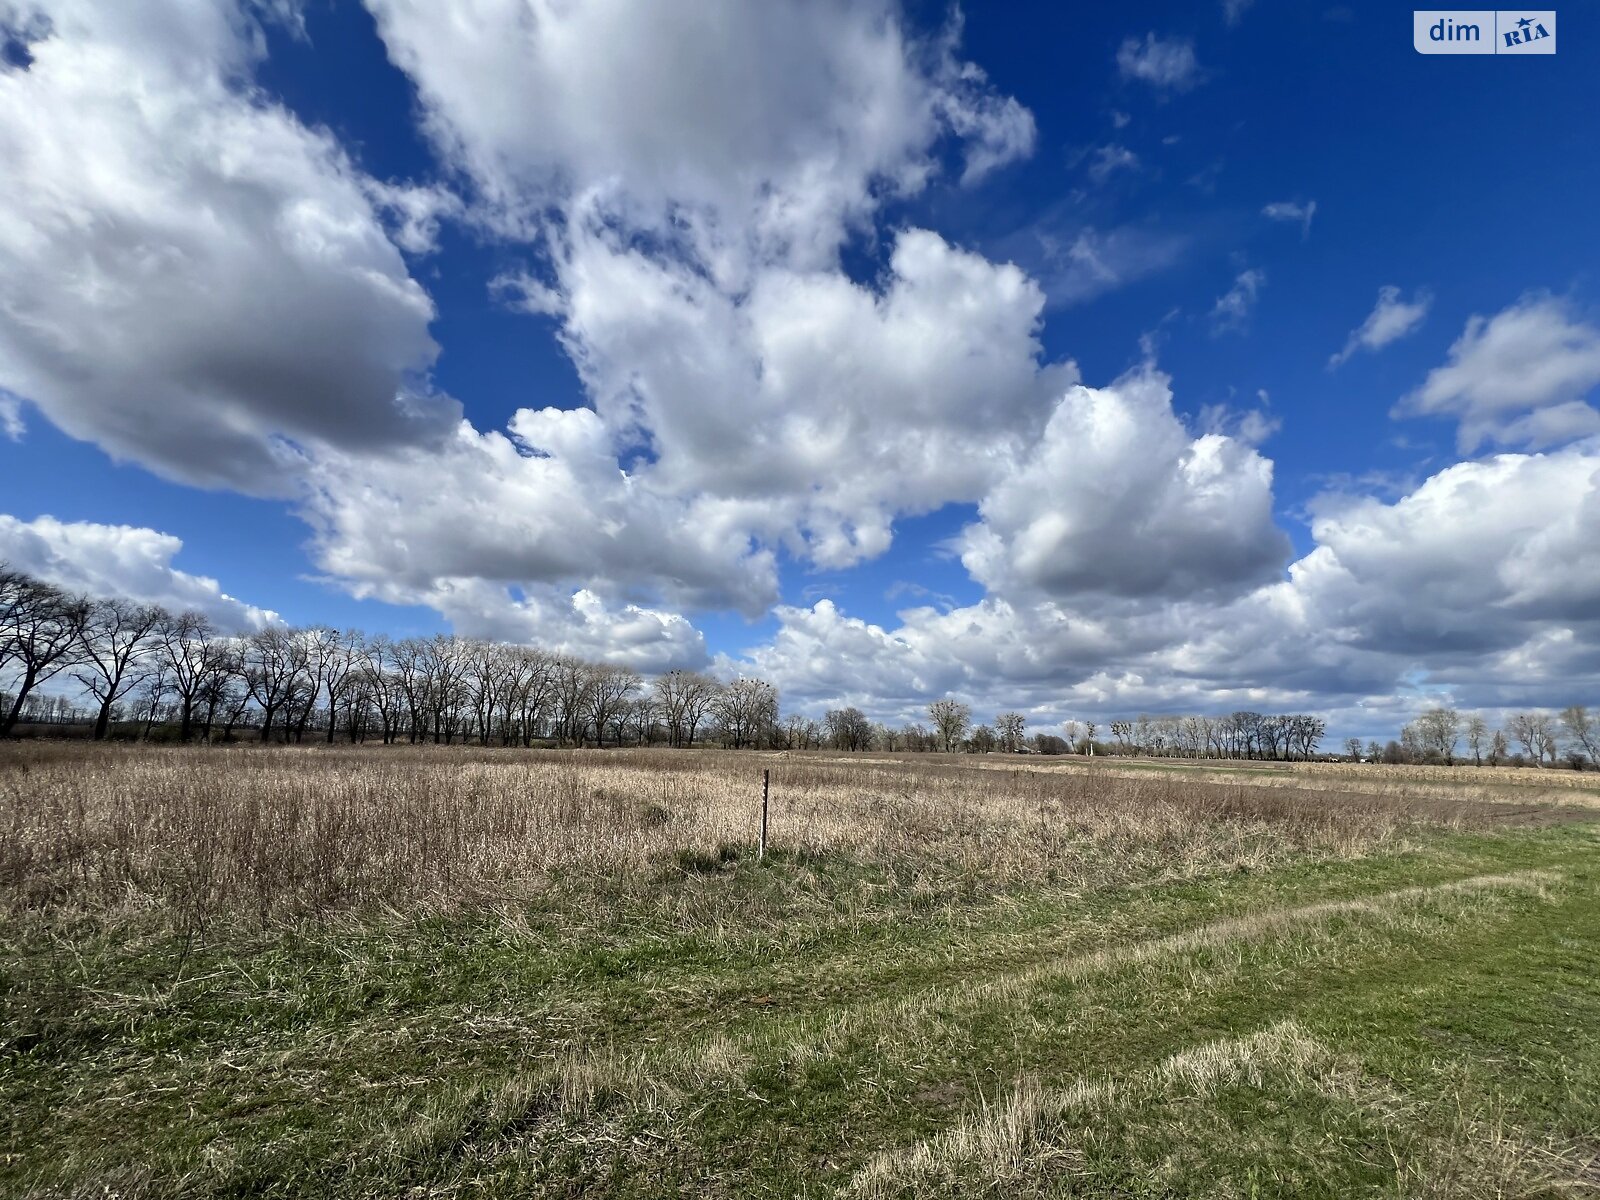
<point x="140" y="663"/>
<point x="1253" y="735"/>
<point x="950" y="730"/>
<point x="285" y="683"/>
<point x="1536" y="736"/>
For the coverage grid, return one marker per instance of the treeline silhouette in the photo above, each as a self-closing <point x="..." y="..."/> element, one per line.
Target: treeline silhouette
<point x="1442" y="736"/>
<point x="142" y="671"/>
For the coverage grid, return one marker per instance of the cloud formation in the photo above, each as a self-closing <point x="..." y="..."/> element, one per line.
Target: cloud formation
<point x="1168" y="64"/>
<point x="121" y="560"/>
<point x="1106" y="161"/>
<point x="198" y="281"/>
<point x="190" y="278"/>
<point x="1118" y="499"/>
<point x="1231" y="312"/>
<point x="768" y="140"/>
<point x="1467" y="583"/>
<point x="1518" y="378"/>
<point x="1090" y="262"/>
<point x="1390" y="320"/>
<point x="1293" y="211"/>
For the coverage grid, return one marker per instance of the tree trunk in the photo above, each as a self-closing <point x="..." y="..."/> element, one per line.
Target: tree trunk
<point x="24" y="688"/>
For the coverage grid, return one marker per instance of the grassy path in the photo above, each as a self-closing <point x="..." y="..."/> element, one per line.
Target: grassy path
<point x="1418" y="1024"/>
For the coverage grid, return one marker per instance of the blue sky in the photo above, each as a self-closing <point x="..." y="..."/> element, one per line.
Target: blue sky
<point x="903" y="350"/>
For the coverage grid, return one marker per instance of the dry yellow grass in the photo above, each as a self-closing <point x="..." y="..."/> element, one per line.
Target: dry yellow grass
<point x="272" y="832"/>
<point x="1505" y="785"/>
<point x="1539" y="777"/>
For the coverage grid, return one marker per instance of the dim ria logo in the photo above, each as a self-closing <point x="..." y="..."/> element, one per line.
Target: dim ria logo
<point x="1484" y="31"/>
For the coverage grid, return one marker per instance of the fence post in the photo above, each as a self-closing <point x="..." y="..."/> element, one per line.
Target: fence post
<point x="766" y="781"/>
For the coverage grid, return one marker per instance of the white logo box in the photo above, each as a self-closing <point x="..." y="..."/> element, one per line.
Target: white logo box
<point x="1484" y="31"/>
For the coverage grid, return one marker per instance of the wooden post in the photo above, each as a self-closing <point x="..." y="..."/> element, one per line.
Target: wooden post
<point x="766" y="781"/>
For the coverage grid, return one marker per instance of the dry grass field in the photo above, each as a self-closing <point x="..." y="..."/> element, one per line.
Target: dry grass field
<point x="424" y="971"/>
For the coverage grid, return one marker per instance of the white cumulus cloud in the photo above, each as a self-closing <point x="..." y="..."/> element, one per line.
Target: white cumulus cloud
<point x="120" y="560"/>
<point x="1519" y="377"/>
<point x="1117" y="498"/>
<point x="189" y="277"/>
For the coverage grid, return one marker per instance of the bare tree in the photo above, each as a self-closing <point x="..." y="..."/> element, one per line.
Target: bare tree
<point x="951" y="719"/>
<point x="409" y="671"/>
<point x="1272" y="732"/>
<point x="533" y="683"/>
<point x="222" y="689"/>
<point x="1009" y="727"/>
<point x="444" y="665"/>
<point x="1303" y="732"/>
<point x="16" y="589"/>
<point x="1582" y="729"/>
<point x="1412" y="744"/>
<point x="1246" y="732"/>
<point x="611" y="690"/>
<point x="119" y="640"/>
<point x="487" y="674"/>
<point x="642" y="714"/>
<point x="1352" y="749"/>
<point x="154" y="688"/>
<point x="848" y="729"/>
<point x="747" y="709"/>
<point x="1533" y="732"/>
<point x="316" y="644"/>
<point x="273" y="663"/>
<point x="1477" y="736"/>
<point x="193" y="652"/>
<point x="683" y="699"/>
<point x="1549" y="742"/>
<point x="1439" y="730"/>
<point x="571" y="696"/>
<point x="341" y="660"/>
<point x="41" y="631"/>
<point x="376" y="672"/>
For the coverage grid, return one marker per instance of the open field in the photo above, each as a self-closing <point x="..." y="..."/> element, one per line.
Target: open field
<point x="1516" y="784"/>
<point x="439" y="972"/>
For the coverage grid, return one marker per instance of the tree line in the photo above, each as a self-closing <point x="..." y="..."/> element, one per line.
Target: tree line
<point x="139" y="665"/>
<point x="142" y="662"/>
<point x="1536" y="736"/>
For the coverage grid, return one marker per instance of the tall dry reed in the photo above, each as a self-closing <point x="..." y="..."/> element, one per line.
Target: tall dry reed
<point x="268" y="833"/>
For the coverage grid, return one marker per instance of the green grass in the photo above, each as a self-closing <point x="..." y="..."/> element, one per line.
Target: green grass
<point x="1405" y="1038"/>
